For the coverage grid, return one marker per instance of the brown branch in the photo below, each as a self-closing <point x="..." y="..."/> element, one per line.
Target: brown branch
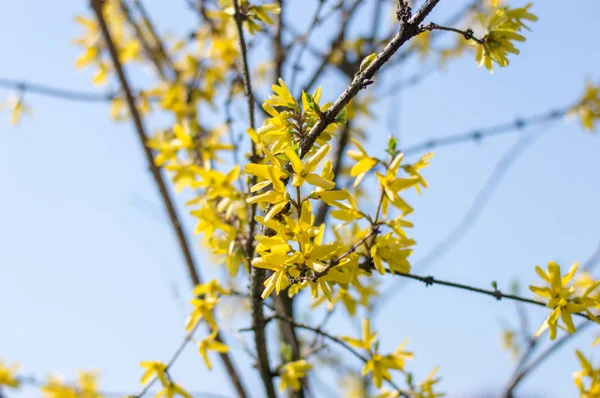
<point x="160" y="49"/>
<point x="521" y="374"/>
<point x="186" y="340"/>
<point x="257" y="275"/>
<point x="148" y="49"/>
<point x="407" y="31"/>
<point x="466" y="34"/>
<point x="340" y="342"/>
<point x="283" y="303"/>
<point x="279" y="53"/>
<point x="57" y="92"/>
<point x="335" y="44"/>
<point x="497" y="294"/>
<point x="304" y="40"/>
<point x="477" y="135"/>
<point x="97" y="6"/>
<point x="520" y="371"/>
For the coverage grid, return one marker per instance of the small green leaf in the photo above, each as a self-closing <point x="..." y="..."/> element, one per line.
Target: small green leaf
<point x="341" y="117"/>
<point x="392" y="144"/>
<point x="367" y="61"/>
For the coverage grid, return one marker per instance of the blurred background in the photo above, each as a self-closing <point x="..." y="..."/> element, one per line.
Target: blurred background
<point x="91" y="276"/>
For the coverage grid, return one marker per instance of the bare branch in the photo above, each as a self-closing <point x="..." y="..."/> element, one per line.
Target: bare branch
<point x="362" y="79"/>
<point x="158" y="178"/>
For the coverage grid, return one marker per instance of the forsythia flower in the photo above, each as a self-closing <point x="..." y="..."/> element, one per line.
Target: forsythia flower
<point x="560" y="298"/>
<point x="378" y="365"/>
<point x="88" y="384"/>
<point x="171" y="390"/>
<point x="154" y="369"/>
<point x="588" y="108"/>
<point x="509" y="343"/>
<point x="17" y="107"/>
<point x="421" y="44"/>
<point x="364" y="162"/>
<point x="292" y="373"/>
<point x="425" y="388"/>
<point x="7" y="376"/>
<point x="392" y="250"/>
<point x="304" y="171"/>
<point x="391" y="185"/>
<point x="210" y="289"/>
<point x="502" y="28"/>
<point x="202" y="310"/>
<point x="87" y="387"/>
<point x="368" y="338"/>
<point x="413" y="170"/>
<point x="211" y="344"/>
<point x="587" y="379"/>
<point x="253" y="14"/>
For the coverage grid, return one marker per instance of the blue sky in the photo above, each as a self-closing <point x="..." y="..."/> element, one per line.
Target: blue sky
<point x="91" y="276"/>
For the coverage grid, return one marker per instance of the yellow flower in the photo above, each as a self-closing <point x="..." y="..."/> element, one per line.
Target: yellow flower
<point x="364" y="162"/>
<point x="154" y="369"/>
<point x="560" y="300"/>
<point x="304" y="172"/>
<point x="391" y="185"/>
<point x="588" y="107"/>
<point x="368" y="338"/>
<point x="378" y="365"/>
<point x="171" y="390"/>
<point x="278" y="280"/>
<point x="587" y="379"/>
<point x="17" y="107"/>
<point x="210" y="289"/>
<point x="282" y="96"/>
<point x="509" y="342"/>
<point x="56" y="388"/>
<point x="413" y="170"/>
<point x="253" y="14"/>
<point x="7" y="376"/>
<point x="211" y="344"/>
<point x="393" y="250"/>
<point x="272" y="174"/>
<point x="502" y="29"/>
<point x="292" y="373"/>
<point x="425" y="388"/>
<point x="88" y="384"/>
<point x="202" y="310"/>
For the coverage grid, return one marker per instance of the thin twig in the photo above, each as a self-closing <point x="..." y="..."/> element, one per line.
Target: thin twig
<point x="335" y="44"/>
<point x="497" y="294"/>
<point x="466" y="221"/>
<point x="157" y="41"/>
<point x="96" y="6"/>
<point x="477" y="135"/>
<point x="257" y="275"/>
<point x="57" y="92"/>
<point x="304" y="39"/>
<point x="520" y="375"/>
<point x="467" y="34"/>
<point x="186" y="340"/>
<point x="407" y="31"/>
<point x="341" y="343"/>
<point x="520" y="371"/>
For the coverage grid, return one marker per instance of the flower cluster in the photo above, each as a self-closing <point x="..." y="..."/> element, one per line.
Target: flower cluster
<point x="588" y="107"/>
<point x="563" y="299"/>
<point x="502" y="28"/>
